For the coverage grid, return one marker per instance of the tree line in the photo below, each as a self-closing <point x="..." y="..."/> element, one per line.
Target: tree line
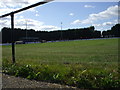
<point x="70" y="34"/>
<point x="114" y="32"/>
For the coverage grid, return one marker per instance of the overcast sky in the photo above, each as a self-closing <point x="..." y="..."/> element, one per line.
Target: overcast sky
<point x="74" y="14"/>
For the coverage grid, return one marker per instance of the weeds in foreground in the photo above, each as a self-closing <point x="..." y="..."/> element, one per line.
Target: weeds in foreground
<point x="74" y="76"/>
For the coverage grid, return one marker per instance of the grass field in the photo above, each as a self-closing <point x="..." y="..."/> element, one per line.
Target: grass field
<point x="80" y="56"/>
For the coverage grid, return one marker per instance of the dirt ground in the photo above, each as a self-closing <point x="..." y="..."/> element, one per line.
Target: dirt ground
<point x="17" y="82"/>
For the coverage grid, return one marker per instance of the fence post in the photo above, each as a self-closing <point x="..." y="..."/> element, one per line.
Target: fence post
<point x="12" y="36"/>
<point x="12" y="23"/>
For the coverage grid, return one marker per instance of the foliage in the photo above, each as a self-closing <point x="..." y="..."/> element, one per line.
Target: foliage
<point x="114" y="32"/>
<point x="74" y="77"/>
<point x="69" y="34"/>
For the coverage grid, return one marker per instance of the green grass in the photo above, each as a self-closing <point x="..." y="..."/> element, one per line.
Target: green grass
<point x="71" y="51"/>
<point x="69" y="59"/>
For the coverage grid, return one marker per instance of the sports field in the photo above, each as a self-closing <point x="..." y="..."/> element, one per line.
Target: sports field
<point x="105" y="50"/>
<point x="62" y="57"/>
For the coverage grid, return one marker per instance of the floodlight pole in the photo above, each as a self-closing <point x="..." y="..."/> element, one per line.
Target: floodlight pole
<point x="61" y="31"/>
<point x="12" y="37"/>
<point x="26" y="29"/>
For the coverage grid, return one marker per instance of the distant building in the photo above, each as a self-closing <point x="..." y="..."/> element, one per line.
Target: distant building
<point x="19" y="42"/>
<point x="29" y="39"/>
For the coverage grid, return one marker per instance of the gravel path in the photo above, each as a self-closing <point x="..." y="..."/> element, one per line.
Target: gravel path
<point x="17" y="82"/>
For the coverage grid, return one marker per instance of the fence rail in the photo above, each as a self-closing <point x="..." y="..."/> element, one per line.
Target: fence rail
<point x="12" y="22"/>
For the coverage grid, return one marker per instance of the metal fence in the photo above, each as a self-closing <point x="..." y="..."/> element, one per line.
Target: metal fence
<point x="12" y="22"/>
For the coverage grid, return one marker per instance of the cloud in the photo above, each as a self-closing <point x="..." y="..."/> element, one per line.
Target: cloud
<point x="37" y="25"/>
<point x="21" y="22"/>
<point x="36" y="15"/>
<point x="71" y="14"/>
<point x="109" y="23"/>
<point x="34" y="24"/>
<point x="21" y="16"/>
<point x="110" y="12"/>
<point x="6" y="10"/>
<point x="89" y="6"/>
<point x="16" y="3"/>
<point x="49" y="28"/>
<point x="106" y="14"/>
<point x="86" y="21"/>
<point x="105" y="25"/>
<point x="5" y="22"/>
<point x="31" y="23"/>
<point x="76" y="22"/>
<point x="7" y="6"/>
